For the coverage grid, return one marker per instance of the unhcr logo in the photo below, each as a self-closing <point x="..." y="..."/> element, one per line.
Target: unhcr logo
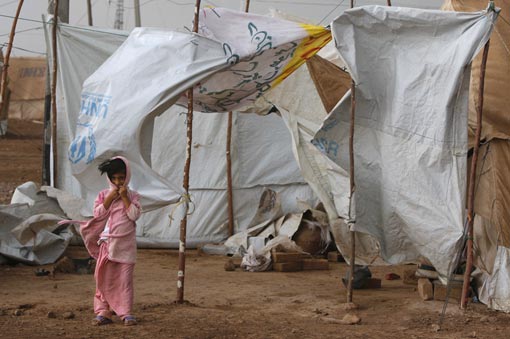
<point x="94" y="105"/>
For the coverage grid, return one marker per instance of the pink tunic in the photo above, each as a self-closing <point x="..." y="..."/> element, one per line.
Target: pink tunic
<point x="116" y="255"/>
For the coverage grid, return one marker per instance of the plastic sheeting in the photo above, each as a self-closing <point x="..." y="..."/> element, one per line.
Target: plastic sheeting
<point x="30" y="233"/>
<point x="410" y="136"/>
<point x="261" y="154"/>
<point x="494" y="289"/>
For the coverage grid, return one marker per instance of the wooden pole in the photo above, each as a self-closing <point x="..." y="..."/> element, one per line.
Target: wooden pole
<point x="229" y="177"/>
<point x="472" y="178"/>
<point x="352" y="189"/>
<point x="53" y="93"/>
<point x="138" y="20"/>
<point x="388" y="2"/>
<point x="185" y="182"/>
<point x="230" y="195"/>
<point x="3" y="80"/>
<point x="89" y="12"/>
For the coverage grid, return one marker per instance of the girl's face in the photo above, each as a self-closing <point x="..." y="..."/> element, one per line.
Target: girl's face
<point x="118" y="179"/>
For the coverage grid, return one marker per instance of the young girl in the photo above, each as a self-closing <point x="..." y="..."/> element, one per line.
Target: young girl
<point x="110" y="237"/>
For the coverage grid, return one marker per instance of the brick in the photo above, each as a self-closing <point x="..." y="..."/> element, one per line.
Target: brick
<point x="440" y="290"/>
<point x="335" y="257"/>
<point x="281" y="257"/>
<point x="410" y="276"/>
<point x="288" y="266"/>
<point x="315" y="264"/>
<point x="425" y="289"/>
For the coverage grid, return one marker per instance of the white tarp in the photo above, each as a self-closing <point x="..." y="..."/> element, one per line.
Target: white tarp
<point x="494" y="289"/>
<point x="153" y="68"/>
<point x="411" y="68"/>
<point x="261" y="152"/>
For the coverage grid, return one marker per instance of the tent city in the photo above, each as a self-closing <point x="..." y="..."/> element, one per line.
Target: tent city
<point x="273" y="169"/>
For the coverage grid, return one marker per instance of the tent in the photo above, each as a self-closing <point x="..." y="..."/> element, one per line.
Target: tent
<point x="27" y="81"/>
<point x="492" y="196"/>
<point x="261" y="151"/>
<point x="330" y="174"/>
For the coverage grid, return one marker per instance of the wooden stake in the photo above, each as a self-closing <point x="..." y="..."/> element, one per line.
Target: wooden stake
<point x="472" y="178"/>
<point x="89" y="12"/>
<point x="138" y="20"/>
<point x="352" y="189"/>
<point x="185" y="182"/>
<point x="3" y="81"/>
<point x="53" y="94"/>
<point x="388" y="2"/>
<point x="229" y="177"/>
<point x="247" y="6"/>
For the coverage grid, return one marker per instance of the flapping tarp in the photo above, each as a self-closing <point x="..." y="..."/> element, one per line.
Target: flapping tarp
<point x="410" y="131"/>
<point x="229" y="66"/>
<point x="261" y="152"/>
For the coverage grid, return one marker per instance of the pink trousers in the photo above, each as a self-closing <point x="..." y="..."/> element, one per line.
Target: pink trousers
<point x="114" y="286"/>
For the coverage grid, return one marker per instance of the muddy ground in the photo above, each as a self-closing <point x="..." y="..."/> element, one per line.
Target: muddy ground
<point x="221" y="304"/>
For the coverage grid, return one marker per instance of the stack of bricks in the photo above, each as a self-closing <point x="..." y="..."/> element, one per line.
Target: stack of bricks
<point x="294" y="261"/>
<point x="435" y="290"/>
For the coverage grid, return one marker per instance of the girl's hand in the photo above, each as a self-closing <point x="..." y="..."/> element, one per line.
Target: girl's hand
<point x="123" y="192"/>
<point x="114" y="194"/>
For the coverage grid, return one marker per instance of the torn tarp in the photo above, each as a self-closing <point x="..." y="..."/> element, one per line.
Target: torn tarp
<point x="411" y="69"/>
<point x="30" y="233"/>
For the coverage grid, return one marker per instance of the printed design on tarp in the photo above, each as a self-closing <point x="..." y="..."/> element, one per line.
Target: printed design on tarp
<point x="262" y="65"/>
<point x="93" y="111"/>
<point x="253" y="74"/>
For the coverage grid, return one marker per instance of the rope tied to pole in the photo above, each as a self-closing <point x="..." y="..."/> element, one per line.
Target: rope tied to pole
<point x="185" y="199"/>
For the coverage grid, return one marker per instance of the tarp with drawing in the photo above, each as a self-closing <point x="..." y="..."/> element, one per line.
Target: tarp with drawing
<point x="410" y="129"/>
<point x="261" y="152"/>
<point x="246" y="59"/>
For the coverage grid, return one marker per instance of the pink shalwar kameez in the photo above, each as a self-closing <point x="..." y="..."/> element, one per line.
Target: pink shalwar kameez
<point x="114" y="251"/>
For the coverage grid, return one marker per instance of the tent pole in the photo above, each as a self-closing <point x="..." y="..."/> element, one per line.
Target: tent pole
<point x="229" y="177"/>
<point x="352" y="188"/>
<point x="230" y="198"/>
<point x="185" y="182"/>
<point x="3" y="82"/>
<point x="472" y="178"/>
<point x="89" y="12"/>
<point x="53" y="93"/>
<point x="138" y="20"/>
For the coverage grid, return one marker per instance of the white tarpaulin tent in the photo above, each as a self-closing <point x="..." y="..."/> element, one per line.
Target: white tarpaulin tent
<point x="261" y="145"/>
<point x="411" y="69"/>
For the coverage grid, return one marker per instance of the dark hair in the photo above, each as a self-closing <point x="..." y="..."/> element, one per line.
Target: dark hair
<point x="111" y="167"/>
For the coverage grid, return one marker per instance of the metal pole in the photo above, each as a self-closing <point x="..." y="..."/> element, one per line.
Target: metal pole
<point x="472" y="177"/>
<point x="185" y="182"/>
<point x="3" y="81"/>
<point x="89" y="12"/>
<point x="138" y="20"/>
<point x="352" y="189"/>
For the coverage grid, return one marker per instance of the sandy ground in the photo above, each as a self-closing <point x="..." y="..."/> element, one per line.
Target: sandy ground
<point x="21" y="156"/>
<point x="221" y="304"/>
<point x="232" y="305"/>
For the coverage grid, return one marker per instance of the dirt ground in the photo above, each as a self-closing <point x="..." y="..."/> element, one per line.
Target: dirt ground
<point x="21" y="155"/>
<point x="232" y="304"/>
<point x="221" y="304"/>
